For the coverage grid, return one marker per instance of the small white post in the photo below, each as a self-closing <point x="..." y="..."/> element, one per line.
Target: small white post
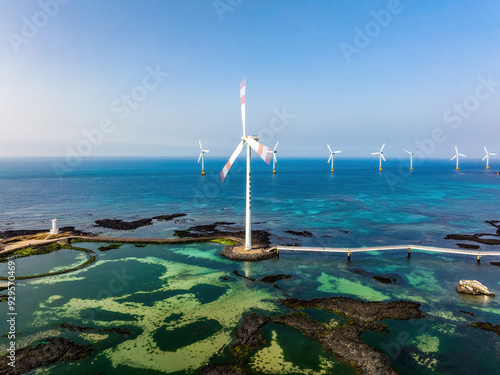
<point x="54" y="229"/>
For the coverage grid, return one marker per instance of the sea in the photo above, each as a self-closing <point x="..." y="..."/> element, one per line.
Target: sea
<point x="182" y="303"/>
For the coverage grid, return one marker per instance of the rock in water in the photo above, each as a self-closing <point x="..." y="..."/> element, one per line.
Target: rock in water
<point x="473" y="287"/>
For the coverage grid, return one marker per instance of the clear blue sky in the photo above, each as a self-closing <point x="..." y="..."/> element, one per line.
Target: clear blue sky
<point x="62" y="77"/>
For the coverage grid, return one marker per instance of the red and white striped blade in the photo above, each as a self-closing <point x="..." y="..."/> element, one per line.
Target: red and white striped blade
<point x="243" y="89"/>
<point x="231" y="160"/>
<point x="264" y="152"/>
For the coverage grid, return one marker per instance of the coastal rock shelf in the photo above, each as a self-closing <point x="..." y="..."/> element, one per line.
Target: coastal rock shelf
<point x="344" y="342"/>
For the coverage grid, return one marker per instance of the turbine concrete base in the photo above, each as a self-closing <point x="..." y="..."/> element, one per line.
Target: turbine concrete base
<point x="238" y="252"/>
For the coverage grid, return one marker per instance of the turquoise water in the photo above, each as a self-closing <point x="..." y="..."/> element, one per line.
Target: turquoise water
<point x="164" y="292"/>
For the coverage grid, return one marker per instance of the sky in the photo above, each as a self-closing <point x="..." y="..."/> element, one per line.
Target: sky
<point x="152" y="77"/>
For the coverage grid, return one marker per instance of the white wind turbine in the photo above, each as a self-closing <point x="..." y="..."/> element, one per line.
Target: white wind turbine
<point x="275" y="160"/>
<point x="487" y="157"/>
<point x="332" y="153"/>
<point x="457" y="155"/>
<point x="264" y="152"/>
<point x="411" y="157"/>
<point x="202" y="157"/>
<point x="381" y="156"/>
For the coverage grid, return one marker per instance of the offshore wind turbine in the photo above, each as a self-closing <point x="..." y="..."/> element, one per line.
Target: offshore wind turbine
<point x="487" y="157"/>
<point x="411" y="157"/>
<point x="381" y="156"/>
<point x="457" y="155"/>
<point x="332" y="153"/>
<point x="202" y="157"/>
<point x="264" y="152"/>
<point x="275" y="160"/>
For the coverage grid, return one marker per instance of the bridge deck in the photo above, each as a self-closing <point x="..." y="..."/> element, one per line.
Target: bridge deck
<point x="386" y="248"/>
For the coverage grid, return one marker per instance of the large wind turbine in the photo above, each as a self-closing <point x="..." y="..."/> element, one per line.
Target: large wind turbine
<point x="264" y="152"/>
<point x="332" y="153"/>
<point x="487" y="157"/>
<point x="202" y="157"/>
<point x="381" y="156"/>
<point x="275" y="160"/>
<point x="411" y="157"/>
<point x="457" y="155"/>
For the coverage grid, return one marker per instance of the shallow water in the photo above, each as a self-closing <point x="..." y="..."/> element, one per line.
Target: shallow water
<point x="182" y="302"/>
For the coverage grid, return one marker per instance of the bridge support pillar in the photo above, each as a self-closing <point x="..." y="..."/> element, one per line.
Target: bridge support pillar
<point x="409" y="252"/>
<point x="479" y="258"/>
<point x="348" y="255"/>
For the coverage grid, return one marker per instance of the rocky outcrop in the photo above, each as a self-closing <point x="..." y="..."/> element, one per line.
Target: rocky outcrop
<point x="487" y="327"/>
<point x="45" y="353"/>
<point x="230" y="253"/>
<point x="123" y="225"/>
<point x="344" y="341"/>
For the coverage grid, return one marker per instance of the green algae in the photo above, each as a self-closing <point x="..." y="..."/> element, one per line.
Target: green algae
<point x="331" y="284"/>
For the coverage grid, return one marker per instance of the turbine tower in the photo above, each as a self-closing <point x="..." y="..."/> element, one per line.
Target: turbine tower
<point x="457" y="156"/>
<point x="275" y="160"/>
<point x="487" y="157"/>
<point x="332" y="153"/>
<point x="264" y="152"/>
<point x="381" y="156"/>
<point x="202" y="157"/>
<point x="411" y="157"/>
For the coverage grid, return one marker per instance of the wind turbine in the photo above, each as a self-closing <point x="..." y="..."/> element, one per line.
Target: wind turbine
<point x="457" y="155"/>
<point x="275" y="160"/>
<point x="264" y="152"/>
<point x="487" y="157"/>
<point x="381" y="156"/>
<point x="202" y="157"/>
<point x="411" y="157"/>
<point x="332" y="153"/>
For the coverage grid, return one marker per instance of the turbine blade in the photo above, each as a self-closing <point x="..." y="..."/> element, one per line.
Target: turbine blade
<point x="383" y="157"/>
<point x="454" y="157"/>
<point x="201" y="148"/>
<point x="199" y="157"/>
<point x="264" y="152"/>
<point x="492" y="153"/>
<point x="382" y="149"/>
<point x="330" y="158"/>
<point x="275" y="147"/>
<point x="329" y="147"/>
<point x="463" y="155"/>
<point x="408" y="152"/>
<point x="375" y="153"/>
<point x="337" y="152"/>
<point x="231" y="160"/>
<point x="456" y="149"/>
<point x="485" y="149"/>
<point x="205" y="150"/>
<point x="415" y="151"/>
<point x="275" y="158"/>
<point x="243" y="89"/>
<point x="485" y="157"/>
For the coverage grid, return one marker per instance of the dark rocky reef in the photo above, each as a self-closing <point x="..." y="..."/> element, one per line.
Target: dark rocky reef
<point x="495" y="263"/>
<point x="478" y="236"/>
<point x="391" y="278"/>
<point x="75" y="328"/>
<point x="468" y="246"/>
<point x="487" y="327"/>
<point x="273" y="278"/>
<point x="123" y="225"/>
<point x="44" y="353"/>
<point x="259" y="237"/>
<point x="344" y="342"/>
<point x="113" y="246"/>
<point x="304" y="233"/>
<point x="168" y="217"/>
<point x="221" y="369"/>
